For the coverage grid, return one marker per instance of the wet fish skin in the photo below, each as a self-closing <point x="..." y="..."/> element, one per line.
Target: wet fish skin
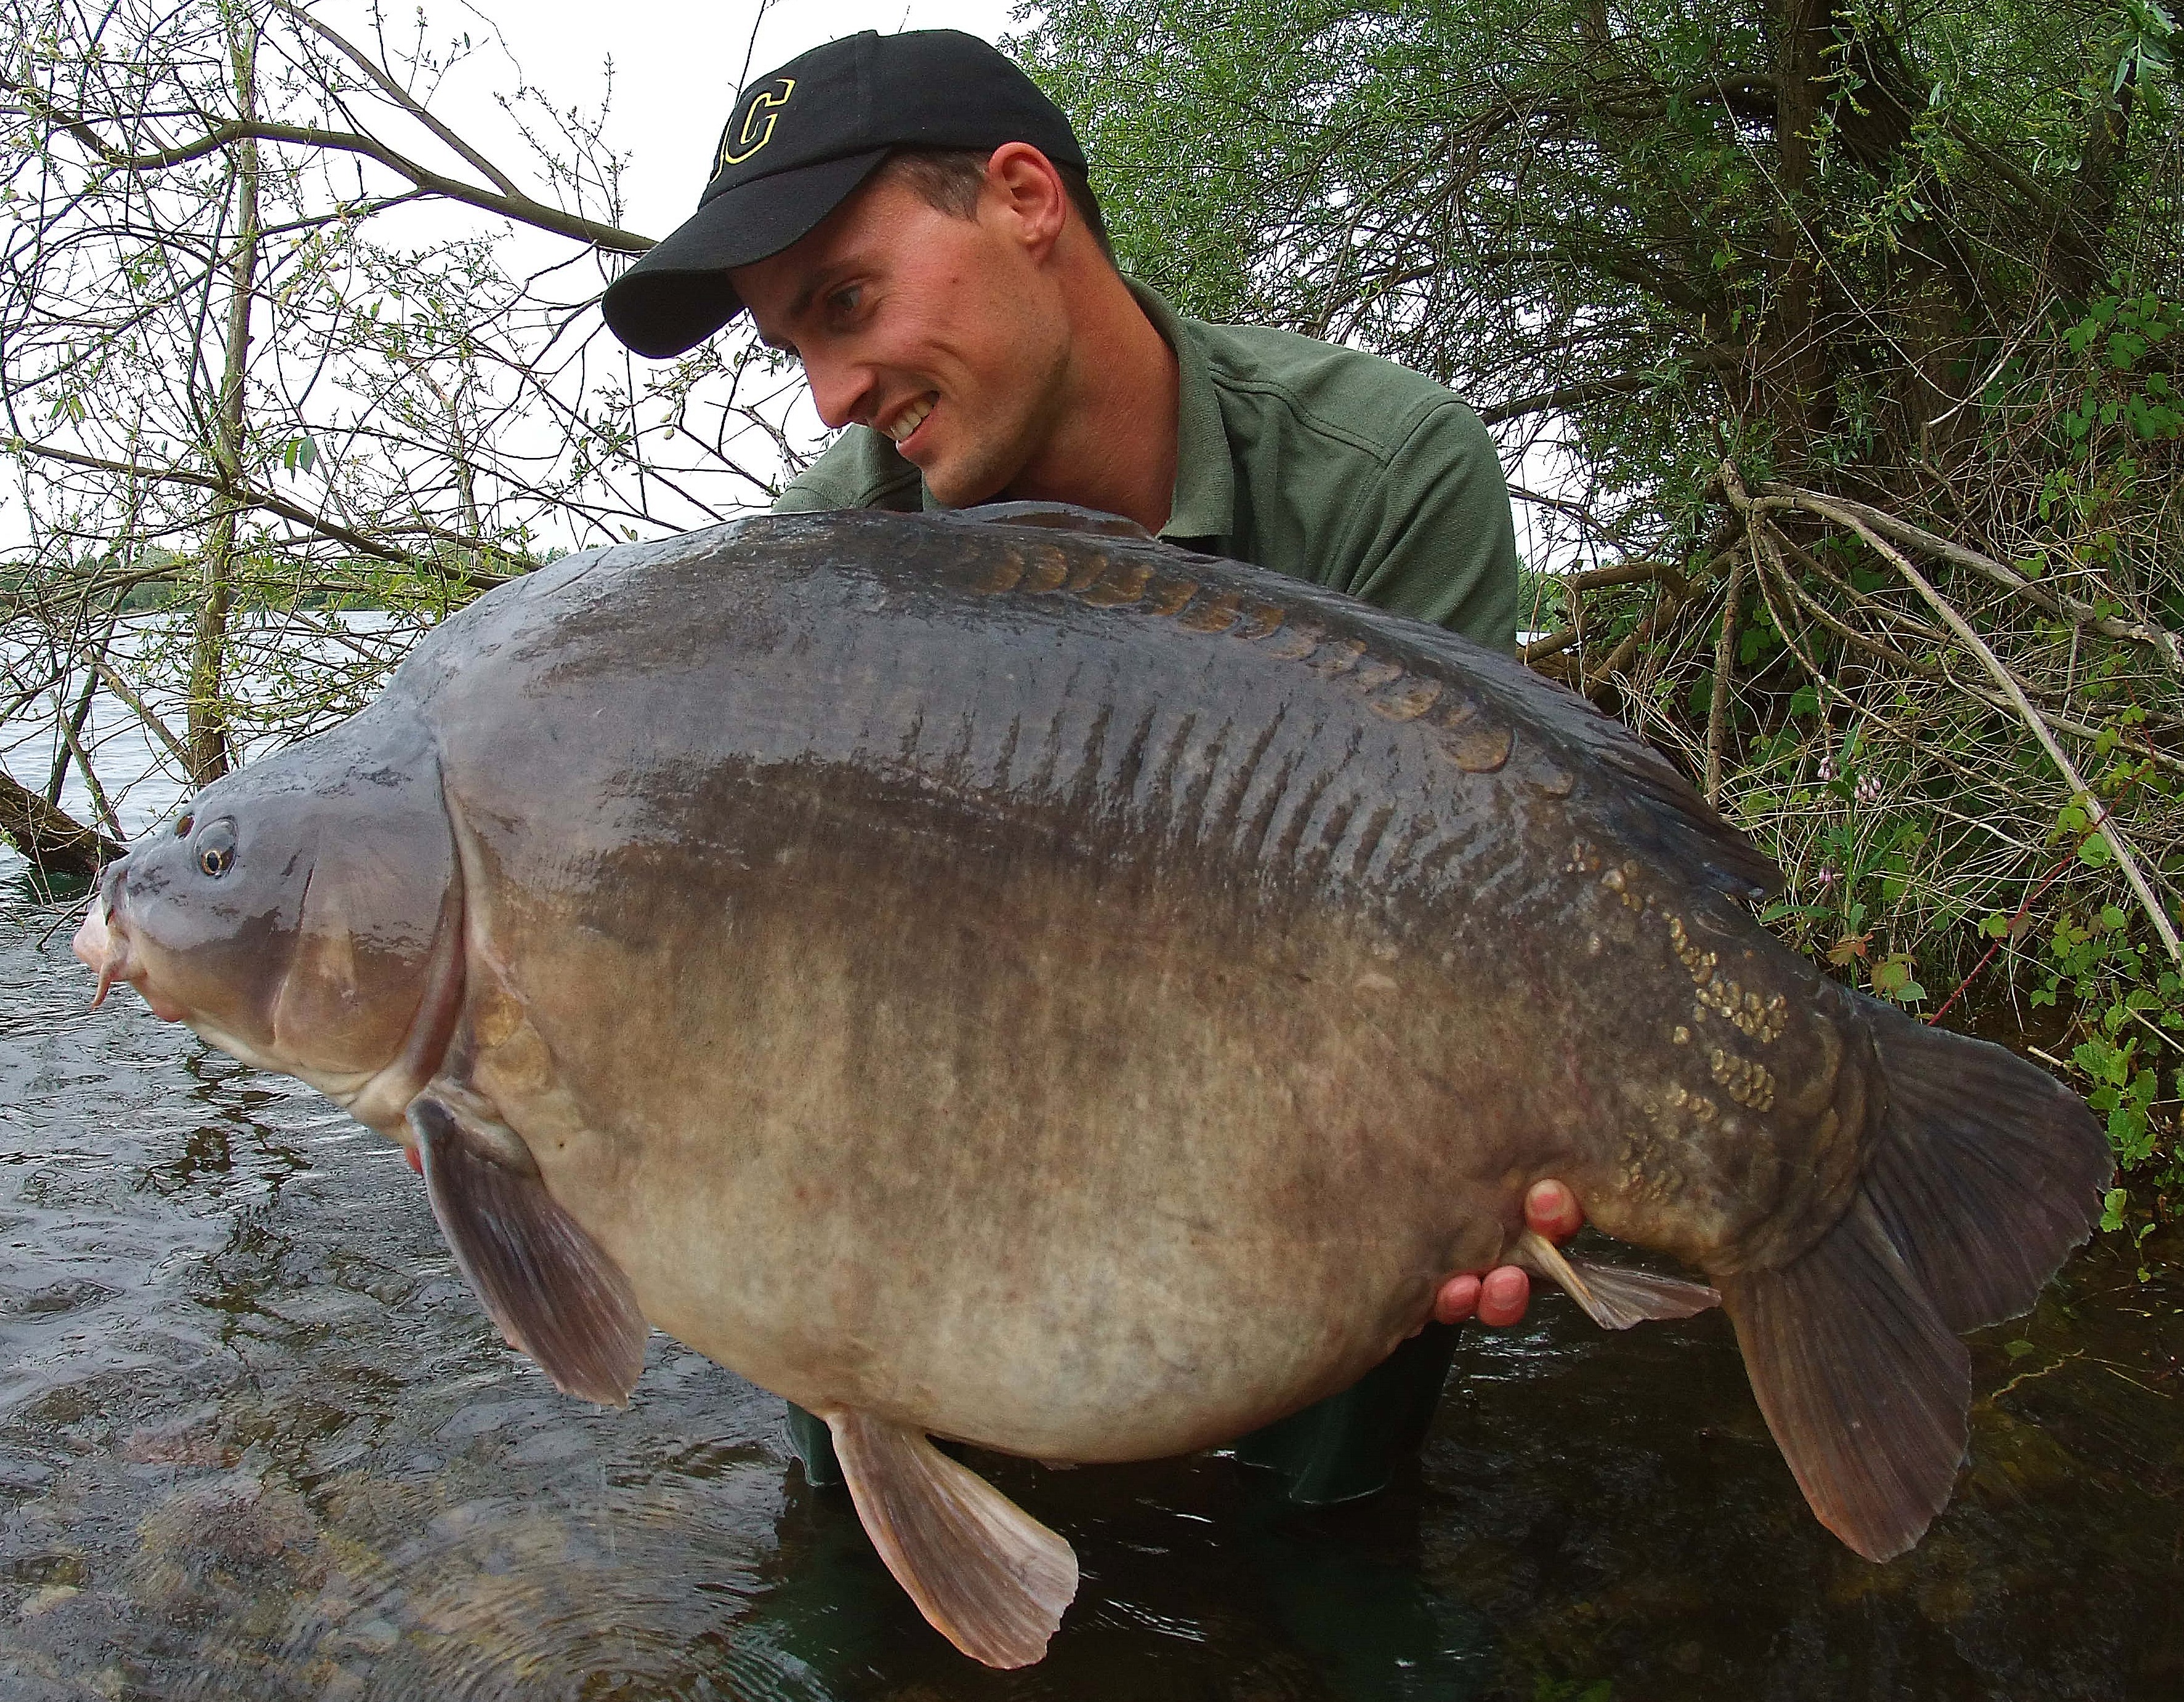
<point x="1053" y="992"/>
<point x="1090" y="934"/>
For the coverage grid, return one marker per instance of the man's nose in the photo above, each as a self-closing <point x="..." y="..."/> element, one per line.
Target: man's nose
<point x="840" y="390"/>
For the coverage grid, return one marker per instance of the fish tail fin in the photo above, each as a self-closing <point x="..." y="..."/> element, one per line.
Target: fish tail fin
<point x="1984" y="1175"/>
<point x="1988" y="1172"/>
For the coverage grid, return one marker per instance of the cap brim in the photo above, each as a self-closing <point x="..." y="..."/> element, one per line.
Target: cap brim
<point x="678" y="294"/>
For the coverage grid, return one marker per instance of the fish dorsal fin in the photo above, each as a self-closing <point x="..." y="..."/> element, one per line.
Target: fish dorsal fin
<point x="1056" y="517"/>
<point x="1613" y="1296"/>
<point x="553" y="1290"/>
<point x="991" y="1578"/>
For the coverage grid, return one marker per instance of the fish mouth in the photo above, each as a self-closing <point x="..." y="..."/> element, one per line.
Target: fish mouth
<point x="103" y="944"/>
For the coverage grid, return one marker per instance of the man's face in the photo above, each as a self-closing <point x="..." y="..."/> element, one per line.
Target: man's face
<point x="944" y="333"/>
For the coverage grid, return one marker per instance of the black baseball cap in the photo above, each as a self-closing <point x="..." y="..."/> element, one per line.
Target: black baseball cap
<point x="799" y="141"/>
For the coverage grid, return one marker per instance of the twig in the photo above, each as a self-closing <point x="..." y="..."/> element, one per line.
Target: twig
<point x="520" y="207"/>
<point x="119" y="688"/>
<point x="2154" y="1029"/>
<point x="91" y="779"/>
<point x="1821" y="682"/>
<point x="1625" y="573"/>
<point x="2061" y="605"/>
<point x="1930" y="672"/>
<point x="1724" y="654"/>
<point x="71" y="715"/>
<point x="401" y="96"/>
<point x="1552" y="645"/>
<point x="2126" y="860"/>
<point x="2027" y="1377"/>
<point x="1662" y="612"/>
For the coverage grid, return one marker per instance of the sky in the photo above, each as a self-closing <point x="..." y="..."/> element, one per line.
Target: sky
<point x="669" y="70"/>
<point x="677" y="66"/>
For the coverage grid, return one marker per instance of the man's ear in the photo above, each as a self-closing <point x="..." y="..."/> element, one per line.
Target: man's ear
<point x="1025" y="194"/>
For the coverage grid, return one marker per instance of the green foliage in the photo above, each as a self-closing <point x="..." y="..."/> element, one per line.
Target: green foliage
<point x="1931" y="259"/>
<point x="1573" y="1690"/>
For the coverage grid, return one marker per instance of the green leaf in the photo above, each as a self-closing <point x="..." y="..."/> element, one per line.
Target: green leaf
<point x="2112" y="1209"/>
<point x="2019" y="1349"/>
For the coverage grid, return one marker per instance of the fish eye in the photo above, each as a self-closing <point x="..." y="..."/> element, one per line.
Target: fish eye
<point x="216" y="849"/>
<point x="182" y="826"/>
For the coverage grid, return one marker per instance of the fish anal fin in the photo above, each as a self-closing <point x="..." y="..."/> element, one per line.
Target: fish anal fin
<point x="1863" y="1383"/>
<point x="554" y="1292"/>
<point x="991" y="1579"/>
<point x="1613" y="1296"/>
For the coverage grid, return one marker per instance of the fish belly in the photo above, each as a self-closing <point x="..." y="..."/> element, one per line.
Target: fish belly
<point x="1080" y="1180"/>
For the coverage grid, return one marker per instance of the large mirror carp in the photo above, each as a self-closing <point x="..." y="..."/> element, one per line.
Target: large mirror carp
<point x="1037" y="987"/>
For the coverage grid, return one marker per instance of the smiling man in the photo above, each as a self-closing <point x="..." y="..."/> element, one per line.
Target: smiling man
<point x="911" y="217"/>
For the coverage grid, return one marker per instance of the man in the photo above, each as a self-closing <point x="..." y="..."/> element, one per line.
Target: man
<point x="910" y="216"/>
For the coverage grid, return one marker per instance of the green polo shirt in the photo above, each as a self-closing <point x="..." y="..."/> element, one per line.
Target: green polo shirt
<point x="1326" y="463"/>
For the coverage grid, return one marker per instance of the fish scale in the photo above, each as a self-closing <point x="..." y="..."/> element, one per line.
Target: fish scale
<point x="998" y="978"/>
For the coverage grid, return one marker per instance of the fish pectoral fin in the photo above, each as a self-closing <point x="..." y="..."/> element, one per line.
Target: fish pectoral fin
<point x="553" y="1292"/>
<point x="1613" y="1296"/>
<point x="991" y="1578"/>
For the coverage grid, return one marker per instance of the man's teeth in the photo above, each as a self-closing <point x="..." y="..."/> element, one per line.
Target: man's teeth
<point x="910" y="418"/>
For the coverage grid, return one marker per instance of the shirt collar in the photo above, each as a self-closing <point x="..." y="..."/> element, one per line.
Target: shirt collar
<point x="1204" y="504"/>
<point x="1205" y="477"/>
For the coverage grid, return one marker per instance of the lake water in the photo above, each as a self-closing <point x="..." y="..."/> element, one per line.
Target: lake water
<point x="258" y="1441"/>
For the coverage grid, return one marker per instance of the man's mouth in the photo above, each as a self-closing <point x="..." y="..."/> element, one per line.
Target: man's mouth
<point x="902" y="425"/>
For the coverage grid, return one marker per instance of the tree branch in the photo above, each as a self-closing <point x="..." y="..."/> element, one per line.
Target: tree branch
<point x="508" y="204"/>
<point x="401" y="96"/>
<point x="250" y="497"/>
<point x="2034" y="721"/>
<point x="2164" y="644"/>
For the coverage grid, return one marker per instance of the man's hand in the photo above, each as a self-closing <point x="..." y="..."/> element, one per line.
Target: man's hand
<point x="1501" y="1295"/>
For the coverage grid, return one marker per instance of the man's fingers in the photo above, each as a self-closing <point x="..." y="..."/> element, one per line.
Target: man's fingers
<point x="1458" y="1299"/>
<point x="1552" y="1208"/>
<point x="1503" y="1294"/>
<point x="1500" y="1296"/>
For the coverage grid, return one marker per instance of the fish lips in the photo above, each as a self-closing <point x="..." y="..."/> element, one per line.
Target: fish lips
<point x="103" y="942"/>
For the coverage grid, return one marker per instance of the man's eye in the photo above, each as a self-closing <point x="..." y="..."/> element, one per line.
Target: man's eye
<point x="844" y="303"/>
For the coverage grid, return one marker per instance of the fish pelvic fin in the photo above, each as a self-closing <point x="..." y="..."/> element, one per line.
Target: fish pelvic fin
<point x="1613" y="1296"/>
<point x="1984" y="1175"/>
<point x="555" y="1292"/>
<point x="991" y="1579"/>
